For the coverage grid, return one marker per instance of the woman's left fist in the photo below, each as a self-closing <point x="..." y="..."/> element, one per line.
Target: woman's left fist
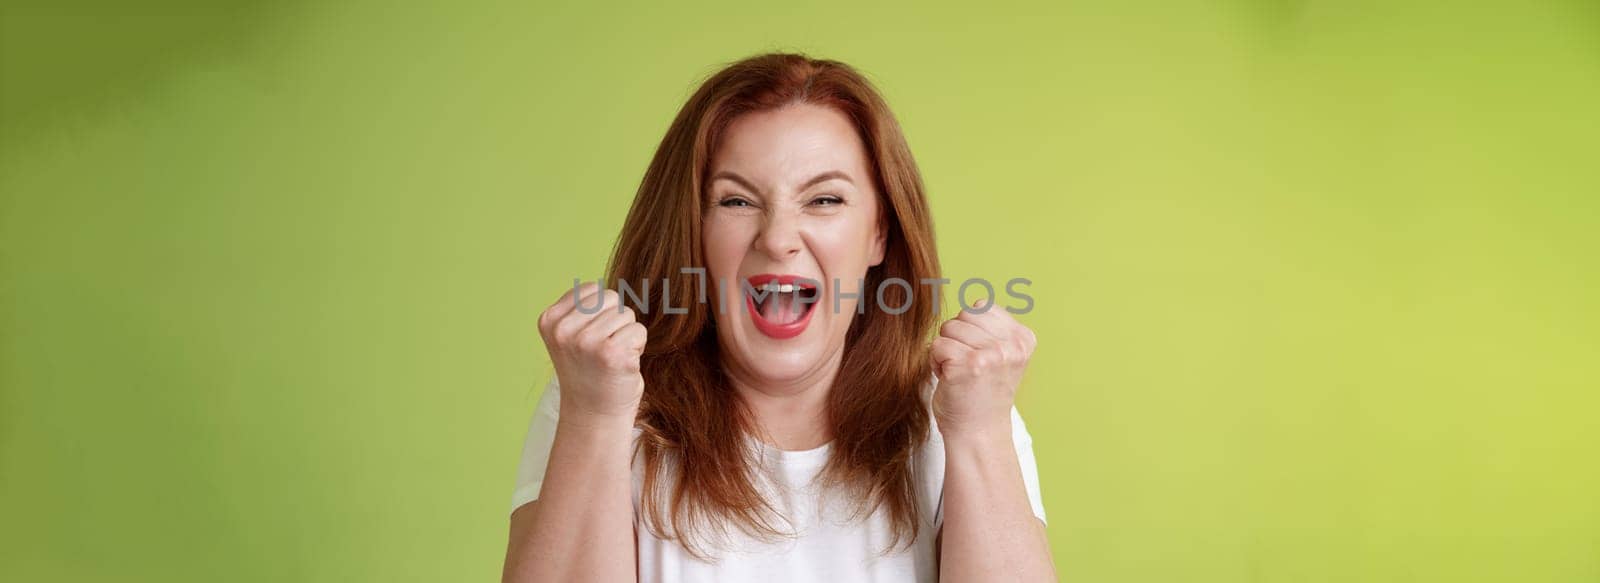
<point x="979" y="359"/>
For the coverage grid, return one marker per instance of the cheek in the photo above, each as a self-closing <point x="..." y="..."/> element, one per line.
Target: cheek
<point x="725" y="244"/>
<point x="842" y="244"/>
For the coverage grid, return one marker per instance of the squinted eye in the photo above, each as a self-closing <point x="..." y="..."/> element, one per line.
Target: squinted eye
<point x="733" y="202"/>
<point x="827" y="201"/>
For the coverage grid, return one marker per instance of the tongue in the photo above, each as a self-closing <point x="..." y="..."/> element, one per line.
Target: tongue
<point x="782" y="308"/>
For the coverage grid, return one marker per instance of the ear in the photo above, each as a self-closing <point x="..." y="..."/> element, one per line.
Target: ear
<point x="880" y="239"/>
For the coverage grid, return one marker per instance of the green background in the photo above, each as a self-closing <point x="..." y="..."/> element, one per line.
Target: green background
<point x="1315" y="281"/>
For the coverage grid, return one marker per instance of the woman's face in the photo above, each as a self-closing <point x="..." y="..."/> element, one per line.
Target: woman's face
<point x="790" y="195"/>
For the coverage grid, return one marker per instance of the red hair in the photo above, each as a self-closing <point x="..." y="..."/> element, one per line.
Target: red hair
<point x="698" y="472"/>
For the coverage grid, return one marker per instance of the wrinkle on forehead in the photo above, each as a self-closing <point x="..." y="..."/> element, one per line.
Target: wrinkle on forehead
<point x="778" y="150"/>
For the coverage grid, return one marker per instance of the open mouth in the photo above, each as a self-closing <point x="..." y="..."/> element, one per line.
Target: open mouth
<point x="781" y="305"/>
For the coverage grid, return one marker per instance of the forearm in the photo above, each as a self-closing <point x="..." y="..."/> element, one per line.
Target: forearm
<point x="989" y="532"/>
<point x="582" y="529"/>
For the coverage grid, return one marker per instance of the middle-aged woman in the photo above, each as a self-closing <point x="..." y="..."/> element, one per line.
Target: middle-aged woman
<point x="768" y="399"/>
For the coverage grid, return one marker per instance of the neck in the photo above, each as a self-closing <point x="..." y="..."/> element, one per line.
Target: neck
<point x="791" y="414"/>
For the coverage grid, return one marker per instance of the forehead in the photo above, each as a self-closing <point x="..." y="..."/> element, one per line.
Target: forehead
<point x="779" y="147"/>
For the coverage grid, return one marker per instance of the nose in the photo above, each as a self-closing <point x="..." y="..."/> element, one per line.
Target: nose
<point x="779" y="237"/>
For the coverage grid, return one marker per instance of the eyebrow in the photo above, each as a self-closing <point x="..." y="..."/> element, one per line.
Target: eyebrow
<point x="823" y="177"/>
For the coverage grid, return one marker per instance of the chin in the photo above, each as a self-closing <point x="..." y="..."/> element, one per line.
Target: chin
<point x="777" y="361"/>
<point x="789" y="364"/>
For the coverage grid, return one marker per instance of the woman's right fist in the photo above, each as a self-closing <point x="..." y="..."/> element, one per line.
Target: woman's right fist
<point x="596" y="355"/>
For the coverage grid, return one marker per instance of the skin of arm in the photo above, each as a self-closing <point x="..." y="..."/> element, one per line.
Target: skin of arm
<point x="989" y="527"/>
<point x="581" y="528"/>
<point x="989" y="531"/>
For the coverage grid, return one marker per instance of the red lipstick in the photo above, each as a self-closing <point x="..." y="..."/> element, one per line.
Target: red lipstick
<point x="780" y="330"/>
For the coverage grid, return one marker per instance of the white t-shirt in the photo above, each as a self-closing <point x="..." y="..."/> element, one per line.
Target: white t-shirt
<point x="828" y="548"/>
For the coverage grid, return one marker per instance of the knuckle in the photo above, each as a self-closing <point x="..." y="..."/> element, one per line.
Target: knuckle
<point x="567" y="328"/>
<point x="1017" y="357"/>
<point x="610" y="356"/>
<point x="559" y="334"/>
<point x="590" y="342"/>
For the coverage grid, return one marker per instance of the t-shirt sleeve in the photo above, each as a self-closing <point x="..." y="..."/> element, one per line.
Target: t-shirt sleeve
<point x="1030" y="468"/>
<point x="536" y="446"/>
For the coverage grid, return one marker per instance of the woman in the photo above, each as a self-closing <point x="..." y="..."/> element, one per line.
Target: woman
<point x="805" y="429"/>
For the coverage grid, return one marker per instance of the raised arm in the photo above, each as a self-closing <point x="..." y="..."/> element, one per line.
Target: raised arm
<point x="990" y="532"/>
<point x="581" y="526"/>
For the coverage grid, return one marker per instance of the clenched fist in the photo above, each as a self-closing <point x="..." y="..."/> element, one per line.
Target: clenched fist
<point x="596" y="355"/>
<point x="979" y="359"/>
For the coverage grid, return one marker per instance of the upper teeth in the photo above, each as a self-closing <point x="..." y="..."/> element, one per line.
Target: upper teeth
<point x="778" y="287"/>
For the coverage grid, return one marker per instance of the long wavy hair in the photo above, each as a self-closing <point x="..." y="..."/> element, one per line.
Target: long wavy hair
<point x="699" y="472"/>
